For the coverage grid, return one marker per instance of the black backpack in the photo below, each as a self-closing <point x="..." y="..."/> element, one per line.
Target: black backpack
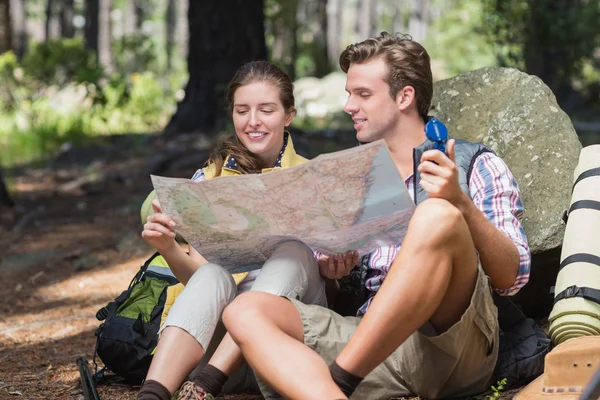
<point x="523" y="345"/>
<point x="128" y="335"/>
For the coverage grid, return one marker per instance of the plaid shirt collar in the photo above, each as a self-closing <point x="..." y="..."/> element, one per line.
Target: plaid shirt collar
<point x="232" y="163"/>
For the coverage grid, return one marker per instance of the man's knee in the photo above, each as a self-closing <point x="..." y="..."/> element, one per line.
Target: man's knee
<point x="244" y="311"/>
<point x="437" y="215"/>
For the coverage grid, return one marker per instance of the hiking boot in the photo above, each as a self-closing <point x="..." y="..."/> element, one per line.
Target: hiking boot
<point x="190" y="391"/>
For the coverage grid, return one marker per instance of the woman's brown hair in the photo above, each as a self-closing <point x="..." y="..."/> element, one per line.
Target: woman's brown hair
<point x="252" y="72"/>
<point x="407" y="64"/>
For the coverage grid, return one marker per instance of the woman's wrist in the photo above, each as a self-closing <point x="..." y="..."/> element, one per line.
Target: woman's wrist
<point x="169" y="249"/>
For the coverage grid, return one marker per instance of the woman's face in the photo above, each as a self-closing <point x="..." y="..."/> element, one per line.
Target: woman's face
<point x="259" y="119"/>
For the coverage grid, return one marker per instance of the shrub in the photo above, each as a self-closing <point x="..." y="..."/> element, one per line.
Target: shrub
<point x="60" y="61"/>
<point x="13" y="89"/>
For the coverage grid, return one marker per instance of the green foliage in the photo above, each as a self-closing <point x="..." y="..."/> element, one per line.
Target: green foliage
<point x="136" y="104"/>
<point x="135" y="53"/>
<point x="504" y="24"/>
<point x="282" y="23"/>
<point x="281" y="11"/>
<point x="589" y="82"/>
<point x="59" y="94"/>
<point x="48" y="118"/>
<point x="60" y="61"/>
<point x="11" y="91"/>
<point x="497" y="389"/>
<point x="147" y="98"/>
<point x="456" y="42"/>
<point x="37" y="128"/>
<point x="548" y="38"/>
<point x="115" y="92"/>
<point x="8" y="65"/>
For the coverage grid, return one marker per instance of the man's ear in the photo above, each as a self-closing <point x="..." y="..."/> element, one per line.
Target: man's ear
<point x="405" y="98"/>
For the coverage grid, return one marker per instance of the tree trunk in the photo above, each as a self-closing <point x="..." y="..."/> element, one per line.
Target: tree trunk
<point x="294" y="45"/>
<point x="66" y="19"/>
<point x="367" y="19"/>
<point x="129" y="29"/>
<point x="285" y="32"/>
<point x="5" y="199"/>
<point x="92" y="8"/>
<point x="334" y="31"/>
<point x="279" y="41"/>
<point x="19" y="33"/>
<point x="105" y="37"/>
<point x="398" y="18"/>
<point x="181" y="28"/>
<point x="316" y="20"/>
<point x="5" y="27"/>
<point x="48" y="19"/>
<point x="140" y="14"/>
<point x="170" y="25"/>
<point x="130" y="23"/>
<point x="223" y="35"/>
<point x="419" y="20"/>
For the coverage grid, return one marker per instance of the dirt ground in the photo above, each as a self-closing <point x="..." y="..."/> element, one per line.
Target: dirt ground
<point x="69" y="247"/>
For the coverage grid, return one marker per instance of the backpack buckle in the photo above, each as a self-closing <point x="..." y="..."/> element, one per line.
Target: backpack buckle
<point x="572" y="291"/>
<point x="102" y="314"/>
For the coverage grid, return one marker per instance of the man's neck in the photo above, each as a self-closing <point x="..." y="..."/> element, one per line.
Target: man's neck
<point x="402" y="141"/>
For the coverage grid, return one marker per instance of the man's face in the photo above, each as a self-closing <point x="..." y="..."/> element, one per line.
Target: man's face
<point x="374" y="112"/>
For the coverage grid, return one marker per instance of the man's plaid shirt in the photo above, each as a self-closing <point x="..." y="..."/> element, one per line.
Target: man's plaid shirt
<point x="495" y="192"/>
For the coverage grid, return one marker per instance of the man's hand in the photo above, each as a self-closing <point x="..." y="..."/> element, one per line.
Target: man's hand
<point x="158" y="230"/>
<point x="337" y="266"/>
<point x="439" y="176"/>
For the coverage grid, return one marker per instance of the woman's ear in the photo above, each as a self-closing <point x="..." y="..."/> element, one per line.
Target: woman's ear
<point x="405" y="97"/>
<point x="289" y="116"/>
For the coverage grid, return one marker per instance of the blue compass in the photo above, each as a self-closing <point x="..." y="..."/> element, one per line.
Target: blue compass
<point x="436" y="131"/>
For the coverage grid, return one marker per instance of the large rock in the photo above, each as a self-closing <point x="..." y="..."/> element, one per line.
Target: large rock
<point x="517" y="116"/>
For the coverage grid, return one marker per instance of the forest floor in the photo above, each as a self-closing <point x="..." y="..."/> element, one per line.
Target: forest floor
<point x="71" y="245"/>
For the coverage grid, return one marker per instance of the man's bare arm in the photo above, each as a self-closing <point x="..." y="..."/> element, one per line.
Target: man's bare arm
<point x="498" y="254"/>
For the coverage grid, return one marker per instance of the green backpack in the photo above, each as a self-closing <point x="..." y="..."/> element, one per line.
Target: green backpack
<point x="128" y="335"/>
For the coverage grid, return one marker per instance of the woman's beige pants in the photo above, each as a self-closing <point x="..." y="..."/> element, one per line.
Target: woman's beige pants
<point x="292" y="271"/>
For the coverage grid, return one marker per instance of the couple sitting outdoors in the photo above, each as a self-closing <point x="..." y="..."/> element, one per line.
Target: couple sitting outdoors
<point x="429" y="326"/>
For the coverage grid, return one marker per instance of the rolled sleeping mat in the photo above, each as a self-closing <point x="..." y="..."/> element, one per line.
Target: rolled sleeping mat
<point x="576" y="310"/>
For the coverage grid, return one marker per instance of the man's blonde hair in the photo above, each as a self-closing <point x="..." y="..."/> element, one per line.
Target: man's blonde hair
<point x="407" y="64"/>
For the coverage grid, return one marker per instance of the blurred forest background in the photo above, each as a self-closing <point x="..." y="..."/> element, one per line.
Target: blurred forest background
<point x="71" y="70"/>
<point x="96" y="95"/>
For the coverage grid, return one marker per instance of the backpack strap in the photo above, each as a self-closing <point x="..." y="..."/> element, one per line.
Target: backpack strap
<point x="586" y="174"/>
<point x="581" y="205"/>
<point x="587" y="293"/>
<point x="112" y="307"/>
<point x="580" y="257"/>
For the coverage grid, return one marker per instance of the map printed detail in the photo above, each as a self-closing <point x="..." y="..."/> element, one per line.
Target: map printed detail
<point x="348" y="200"/>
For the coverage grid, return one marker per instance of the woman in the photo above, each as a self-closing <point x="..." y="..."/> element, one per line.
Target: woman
<point x="261" y="100"/>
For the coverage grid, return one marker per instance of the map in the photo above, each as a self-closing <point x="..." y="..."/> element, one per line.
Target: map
<point x="353" y="199"/>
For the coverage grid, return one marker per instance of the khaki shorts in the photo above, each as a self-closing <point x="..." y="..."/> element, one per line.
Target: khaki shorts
<point x="458" y="362"/>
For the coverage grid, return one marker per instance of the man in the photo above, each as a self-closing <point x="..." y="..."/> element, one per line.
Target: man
<point x="430" y="327"/>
